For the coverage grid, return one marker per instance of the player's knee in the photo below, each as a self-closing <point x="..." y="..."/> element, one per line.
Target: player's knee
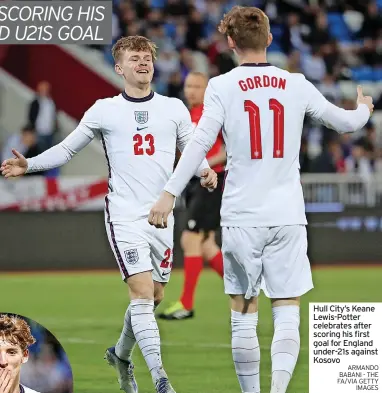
<point x="293" y="301"/>
<point x="209" y="246"/>
<point x="245" y="306"/>
<point x="191" y="242"/>
<point x="141" y="286"/>
<point x="158" y="293"/>
<point x="158" y="299"/>
<point x="209" y="242"/>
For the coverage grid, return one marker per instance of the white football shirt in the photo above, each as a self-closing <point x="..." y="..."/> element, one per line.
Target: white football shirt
<point x="139" y="137"/>
<point x="24" y="389"/>
<point x="261" y="109"/>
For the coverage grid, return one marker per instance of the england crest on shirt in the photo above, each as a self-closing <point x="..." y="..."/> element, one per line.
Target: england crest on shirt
<point x="141" y="117"/>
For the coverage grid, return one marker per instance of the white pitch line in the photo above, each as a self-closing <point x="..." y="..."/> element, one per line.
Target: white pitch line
<point x="78" y="340"/>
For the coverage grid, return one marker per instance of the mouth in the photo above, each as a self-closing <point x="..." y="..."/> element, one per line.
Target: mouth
<point x="142" y="72"/>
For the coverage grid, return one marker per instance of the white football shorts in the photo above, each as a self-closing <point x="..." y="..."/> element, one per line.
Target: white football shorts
<point x="139" y="247"/>
<point x="272" y="259"/>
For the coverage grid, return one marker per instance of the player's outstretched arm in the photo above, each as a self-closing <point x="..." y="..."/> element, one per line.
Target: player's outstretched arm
<point x="338" y="119"/>
<point x="52" y="158"/>
<point x="14" y="167"/>
<point x="196" y="149"/>
<point x="201" y="142"/>
<point x="59" y="154"/>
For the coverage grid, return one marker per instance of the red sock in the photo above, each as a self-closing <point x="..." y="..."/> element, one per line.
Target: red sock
<point x="192" y="268"/>
<point x="216" y="263"/>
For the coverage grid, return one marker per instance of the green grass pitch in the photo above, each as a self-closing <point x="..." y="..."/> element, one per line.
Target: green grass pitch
<point x="85" y="312"/>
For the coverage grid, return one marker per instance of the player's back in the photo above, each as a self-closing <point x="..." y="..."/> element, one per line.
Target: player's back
<point x="264" y="109"/>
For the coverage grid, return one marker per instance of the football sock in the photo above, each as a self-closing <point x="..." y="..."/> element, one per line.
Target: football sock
<point x="192" y="269"/>
<point x="126" y="342"/>
<point x="147" y="335"/>
<point x="246" y="350"/>
<point x="285" y="346"/>
<point x="216" y="263"/>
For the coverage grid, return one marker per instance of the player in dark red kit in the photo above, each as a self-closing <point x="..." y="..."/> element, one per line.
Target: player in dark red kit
<point x="203" y="208"/>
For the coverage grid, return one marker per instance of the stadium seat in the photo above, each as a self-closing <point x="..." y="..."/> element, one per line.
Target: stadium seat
<point x="378" y="74"/>
<point x="278" y="59"/>
<point x="275" y="47"/>
<point x="277" y="32"/>
<point x="170" y="29"/>
<point x="362" y="73"/>
<point x="348" y="88"/>
<point x="157" y="3"/>
<point x="353" y="20"/>
<point x="337" y="27"/>
<point x="371" y="89"/>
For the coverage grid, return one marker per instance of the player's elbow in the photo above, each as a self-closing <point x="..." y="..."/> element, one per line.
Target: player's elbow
<point x="349" y="126"/>
<point x="69" y="153"/>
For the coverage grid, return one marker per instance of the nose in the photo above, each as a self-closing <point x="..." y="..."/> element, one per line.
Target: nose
<point x="3" y="360"/>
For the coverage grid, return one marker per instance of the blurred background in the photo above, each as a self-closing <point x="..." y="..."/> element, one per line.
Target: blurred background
<point x="55" y="221"/>
<point x="48" y="369"/>
<point x="45" y="89"/>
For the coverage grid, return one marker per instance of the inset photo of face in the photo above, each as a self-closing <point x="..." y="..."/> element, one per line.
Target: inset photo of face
<point x="31" y="358"/>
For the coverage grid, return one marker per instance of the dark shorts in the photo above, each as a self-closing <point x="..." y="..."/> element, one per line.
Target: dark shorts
<point x="203" y="207"/>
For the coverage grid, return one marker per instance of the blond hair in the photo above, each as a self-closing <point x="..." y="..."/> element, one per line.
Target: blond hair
<point x="133" y="43"/>
<point x="16" y="331"/>
<point x="247" y="26"/>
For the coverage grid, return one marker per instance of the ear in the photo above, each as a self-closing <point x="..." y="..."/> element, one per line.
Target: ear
<point x="231" y="43"/>
<point x="118" y="69"/>
<point x="270" y="39"/>
<point x="25" y="356"/>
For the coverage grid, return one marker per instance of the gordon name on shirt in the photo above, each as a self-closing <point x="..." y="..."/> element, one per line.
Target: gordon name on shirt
<point x="262" y="81"/>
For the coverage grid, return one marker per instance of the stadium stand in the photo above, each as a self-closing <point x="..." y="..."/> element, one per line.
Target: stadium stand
<point x="336" y="44"/>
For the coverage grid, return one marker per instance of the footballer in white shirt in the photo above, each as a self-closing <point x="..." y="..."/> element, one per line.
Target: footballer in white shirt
<point x="139" y="131"/>
<point x="261" y="109"/>
<point x="15" y="339"/>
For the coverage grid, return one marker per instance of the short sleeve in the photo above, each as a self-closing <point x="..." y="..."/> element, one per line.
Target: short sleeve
<point x="213" y="107"/>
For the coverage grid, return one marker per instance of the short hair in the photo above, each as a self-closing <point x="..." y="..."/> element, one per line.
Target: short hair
<point x="247" y="26"/>
<point x="28" y="128"/>
<point x="16" y="331"/>
<point x="133" y="43"/>
<point x="198" y="73"/>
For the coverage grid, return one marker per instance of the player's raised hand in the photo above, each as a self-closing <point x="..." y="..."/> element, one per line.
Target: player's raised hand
<point x="209" y="179"/>
<point x="361" y="99"/>
<point x="14" y="167"/>
<point x="160" y="211"/>
<point x="6" y="381"/>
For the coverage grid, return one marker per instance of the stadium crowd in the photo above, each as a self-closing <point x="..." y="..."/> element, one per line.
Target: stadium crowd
<point x="329" y="41"/>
